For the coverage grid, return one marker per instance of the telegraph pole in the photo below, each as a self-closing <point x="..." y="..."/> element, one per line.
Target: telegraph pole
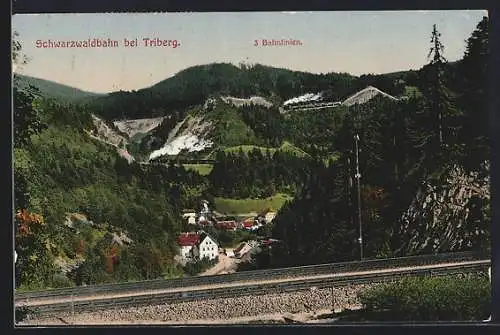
<point x="358" y="186"/>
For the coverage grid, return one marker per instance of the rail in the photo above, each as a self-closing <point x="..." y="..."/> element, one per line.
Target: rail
<point x="174" y="161"/>
<point x="387" y="275"/>
<point x="290" y="272"/>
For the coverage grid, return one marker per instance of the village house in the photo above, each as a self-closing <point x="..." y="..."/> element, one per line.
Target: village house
<point x="207" y="247"/>
<point x="270" y="216"/>
<point x="266" y="216"/>
<point x="204" y="223"/>
<point x="226" y="225"/>
<point x="250" y="225"/>
<point x="186" y="242"/>
<point x="244" y="248"/>
<point x="196" y="246"/>
<point x="190" y="217"/>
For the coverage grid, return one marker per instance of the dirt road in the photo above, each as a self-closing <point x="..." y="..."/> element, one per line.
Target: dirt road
<point x="226" y="265"/>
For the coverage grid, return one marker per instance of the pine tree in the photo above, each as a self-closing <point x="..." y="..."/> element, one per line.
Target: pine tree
<point x="436" y="67"/>
<point x="439" y="111"/>
<point x="473" y="70"/>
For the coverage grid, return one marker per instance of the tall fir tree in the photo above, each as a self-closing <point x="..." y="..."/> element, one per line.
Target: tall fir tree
<point x="473" y="70"/>
<point x="440" y="119"/>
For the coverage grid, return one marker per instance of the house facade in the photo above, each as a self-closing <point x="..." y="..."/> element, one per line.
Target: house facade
<point x="186" y="242"/>
<point x="207" y="248"/>
<point x="196" y="246"/>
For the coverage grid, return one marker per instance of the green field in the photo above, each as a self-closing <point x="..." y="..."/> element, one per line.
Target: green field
<point x="412" y="91"/>
<point x="236" y="206"/>
<point x="285" y="147"/>
<point x="203" y="169"/>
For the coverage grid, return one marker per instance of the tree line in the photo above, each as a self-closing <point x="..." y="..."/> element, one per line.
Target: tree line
<point x="402" y="144"/>
<point x="258" y="174"/>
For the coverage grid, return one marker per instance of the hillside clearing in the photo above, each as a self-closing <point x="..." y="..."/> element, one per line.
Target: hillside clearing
<point x="235" y="206"/>
<point x="202" y="169"/>
<point x="285" y="147"/>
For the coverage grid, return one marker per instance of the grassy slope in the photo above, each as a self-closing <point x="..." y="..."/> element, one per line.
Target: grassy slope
<point x="236" y="206"/>
<point x="230" y="129"/>
<point x="285" y="147"/>
<point x="202" y="169"/>
<point x="412" y="91"/>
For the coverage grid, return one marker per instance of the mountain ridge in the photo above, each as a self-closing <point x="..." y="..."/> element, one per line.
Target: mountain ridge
<point x="162" y="106"/>
<point x="53" y="89"/>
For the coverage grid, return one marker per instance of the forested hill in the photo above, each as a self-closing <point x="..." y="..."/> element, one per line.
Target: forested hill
<point x="424" y="169"/>
<point x="192" y="86"/>
<point x="51" y="89"/>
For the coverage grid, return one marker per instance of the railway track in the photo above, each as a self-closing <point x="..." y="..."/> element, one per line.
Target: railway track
<point x="245" y="276"/>
<point x="72" y="304"/>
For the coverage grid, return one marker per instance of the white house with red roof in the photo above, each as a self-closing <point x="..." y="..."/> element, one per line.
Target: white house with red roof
<point x="186" y="243"/>
<point x="196" y="246"/>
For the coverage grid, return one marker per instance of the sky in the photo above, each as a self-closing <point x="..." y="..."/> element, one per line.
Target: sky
<point x="353" y="42"/>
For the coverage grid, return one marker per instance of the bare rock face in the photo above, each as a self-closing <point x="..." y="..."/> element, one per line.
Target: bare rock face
<point x="448" y="215"/>
<point x="138" y="126"/>
<point x="192" y="134"/>
<point x="105" y="133"/>
<point x="238" y="102"/>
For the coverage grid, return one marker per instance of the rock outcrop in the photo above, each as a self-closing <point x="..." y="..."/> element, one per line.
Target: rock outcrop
<point x="448" y="215"/>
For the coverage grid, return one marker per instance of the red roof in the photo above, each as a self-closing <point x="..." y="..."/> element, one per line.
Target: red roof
<point x="231" y="224"/>
<point x="226" y="225"/>
<point x="188" y="239"/>
<point x="247" y="224"/>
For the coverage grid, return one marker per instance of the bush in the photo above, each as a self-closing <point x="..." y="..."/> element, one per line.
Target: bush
<point x="22" y="313"/>
<point x="430" y="299"/>
<point x="228" y="239"/>
<point x="194" y="268"/>
<point x="60" y="280"/>
<point x="172" y="271"/>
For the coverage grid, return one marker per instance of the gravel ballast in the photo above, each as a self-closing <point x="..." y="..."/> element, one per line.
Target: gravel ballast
<point x="216" y="309"/>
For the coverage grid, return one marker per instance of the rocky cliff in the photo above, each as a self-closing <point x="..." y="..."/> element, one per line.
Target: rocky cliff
<point x="449" y="213"/>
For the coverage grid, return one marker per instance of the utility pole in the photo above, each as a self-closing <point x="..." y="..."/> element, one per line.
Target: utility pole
<point x="358" y="177"/>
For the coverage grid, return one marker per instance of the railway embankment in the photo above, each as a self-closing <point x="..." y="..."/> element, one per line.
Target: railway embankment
<point x="217" y="311"/>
